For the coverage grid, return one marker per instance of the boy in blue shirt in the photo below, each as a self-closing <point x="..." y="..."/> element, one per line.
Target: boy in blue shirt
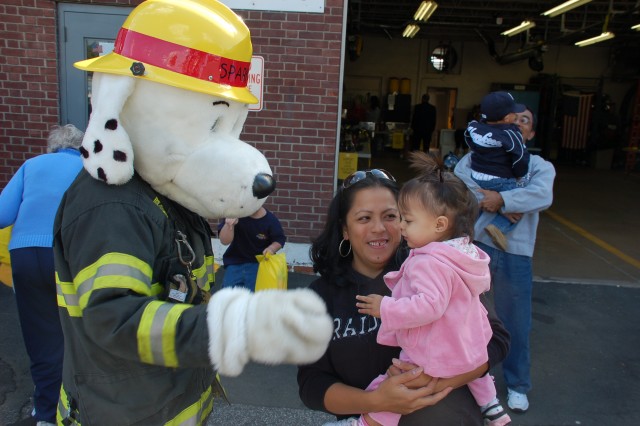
<point x="260" y="233"/>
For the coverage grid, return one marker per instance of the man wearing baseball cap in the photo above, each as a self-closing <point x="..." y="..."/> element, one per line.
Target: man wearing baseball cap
<point x="512" y="269"/>
<point x="499" y="158"/>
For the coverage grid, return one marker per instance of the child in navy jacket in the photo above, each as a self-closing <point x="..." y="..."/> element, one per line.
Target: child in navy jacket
<point x="499" y="159"/>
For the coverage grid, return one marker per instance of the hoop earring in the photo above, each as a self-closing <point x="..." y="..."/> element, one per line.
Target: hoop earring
<point x="340" y="249"/>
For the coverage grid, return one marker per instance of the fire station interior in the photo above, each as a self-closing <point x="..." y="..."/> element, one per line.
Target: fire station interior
<point x="588" y="130"/>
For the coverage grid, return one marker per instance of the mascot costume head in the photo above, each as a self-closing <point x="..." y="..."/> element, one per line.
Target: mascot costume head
<point x="161" y="153"/>
<point x="170" y="101"/>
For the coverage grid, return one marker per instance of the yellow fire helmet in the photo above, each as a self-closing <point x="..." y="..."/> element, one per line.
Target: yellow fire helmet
<point x="198" y="45"/>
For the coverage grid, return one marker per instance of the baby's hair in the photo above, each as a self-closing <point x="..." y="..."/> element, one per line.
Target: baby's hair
<point x="441" y="192"/>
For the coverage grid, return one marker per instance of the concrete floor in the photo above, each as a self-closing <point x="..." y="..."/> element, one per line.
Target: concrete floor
<point x="591" y="232"/>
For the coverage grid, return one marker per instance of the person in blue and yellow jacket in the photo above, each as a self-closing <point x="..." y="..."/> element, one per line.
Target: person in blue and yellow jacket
<point x="29" y="202"/>
<point x="144" y="336"/>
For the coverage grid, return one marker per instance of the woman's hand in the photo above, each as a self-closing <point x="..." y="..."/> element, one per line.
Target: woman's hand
<point x="399" y="367"/>
<point x="396" y="396"/>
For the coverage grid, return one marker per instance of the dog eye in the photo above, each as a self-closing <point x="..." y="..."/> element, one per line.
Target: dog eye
<point x="216" y="103"/>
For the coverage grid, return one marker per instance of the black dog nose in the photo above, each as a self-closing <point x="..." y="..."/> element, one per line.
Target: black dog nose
<point x="263" y="185"/>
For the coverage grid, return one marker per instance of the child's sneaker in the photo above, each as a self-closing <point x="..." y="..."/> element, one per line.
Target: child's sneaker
<point x="351" y="421"/>
<point x="494" y="414"/>
<point x="497" y="237"/>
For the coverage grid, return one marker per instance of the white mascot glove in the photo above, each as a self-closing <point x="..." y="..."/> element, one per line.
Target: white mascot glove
<point x="270" y="327"/>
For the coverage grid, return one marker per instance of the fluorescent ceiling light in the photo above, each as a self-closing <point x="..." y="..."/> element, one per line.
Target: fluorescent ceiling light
<point x="425" y="10"/>
<point x="524" y="26"/>
<point x="636" y="27"/>
<point x="564" y="7"/>
<point x="602" y="37"/>
<point x="410" y="31"/>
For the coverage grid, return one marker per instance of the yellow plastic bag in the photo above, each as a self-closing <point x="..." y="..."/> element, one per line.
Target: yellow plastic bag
<point x="5" y="260"/>
<point x="272" y="272"/>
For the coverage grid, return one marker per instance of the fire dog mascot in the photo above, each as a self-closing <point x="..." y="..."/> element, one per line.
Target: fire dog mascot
<point x="133" y="254"/>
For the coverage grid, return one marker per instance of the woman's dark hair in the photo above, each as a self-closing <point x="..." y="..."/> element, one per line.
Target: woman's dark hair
<point x="324" y="251"/>
<point x="441" y="192"/>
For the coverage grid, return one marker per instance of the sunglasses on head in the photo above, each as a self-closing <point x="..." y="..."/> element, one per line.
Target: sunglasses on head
<point x="356" y="177"/>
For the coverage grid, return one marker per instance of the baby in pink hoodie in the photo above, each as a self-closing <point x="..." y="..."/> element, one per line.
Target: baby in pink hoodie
<point x="434" y="312"/>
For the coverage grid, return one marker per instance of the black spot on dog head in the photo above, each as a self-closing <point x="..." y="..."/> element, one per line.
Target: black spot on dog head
<point x="101" y="174"/>
<point x="111" y="124"/>
<point x="97" y="146"/>
<point x="119" y="156"/>
<point x="84" y="152"/>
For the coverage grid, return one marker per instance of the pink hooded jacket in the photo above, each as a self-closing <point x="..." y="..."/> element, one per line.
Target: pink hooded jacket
<point x="434" y="313"/>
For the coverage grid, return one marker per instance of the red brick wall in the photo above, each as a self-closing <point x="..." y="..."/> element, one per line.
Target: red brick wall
<point x="28" y="81"/>
<point x="296" y="129"/>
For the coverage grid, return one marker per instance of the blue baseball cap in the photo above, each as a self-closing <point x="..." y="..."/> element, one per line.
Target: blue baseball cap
<point x="496" y="105"/>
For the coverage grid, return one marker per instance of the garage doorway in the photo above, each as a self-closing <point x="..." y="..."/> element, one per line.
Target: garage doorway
<point x="444" y="99"/>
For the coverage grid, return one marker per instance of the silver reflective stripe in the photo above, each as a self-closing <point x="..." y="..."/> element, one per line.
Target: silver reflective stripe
<point x="155" y="333"/>
<point x="69" y="299"/>
<point x="204" y="405"/>
<point x="112" y="270"/>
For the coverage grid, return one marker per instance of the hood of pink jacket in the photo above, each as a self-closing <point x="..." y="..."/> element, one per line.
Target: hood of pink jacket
<point x="473" y="272"/>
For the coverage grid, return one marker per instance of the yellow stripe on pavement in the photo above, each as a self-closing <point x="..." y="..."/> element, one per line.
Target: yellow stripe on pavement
<point x="606" y="246"/>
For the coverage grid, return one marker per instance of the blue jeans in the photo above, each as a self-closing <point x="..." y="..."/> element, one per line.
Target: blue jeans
<point x="241" y="275"/>
<point x="500" y="185"/>
<point x="34" y="285"/>
<point x="511" y="288"/>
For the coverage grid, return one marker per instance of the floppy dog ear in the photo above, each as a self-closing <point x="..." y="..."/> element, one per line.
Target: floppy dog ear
<point x="106" y="148"/>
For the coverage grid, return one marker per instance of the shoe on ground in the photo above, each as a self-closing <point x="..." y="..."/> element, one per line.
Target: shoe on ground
<point x="497" y="237"/>
<point x="517" y="402"/>
<point x="351" y="421"/>
<point x="494" y="414"/>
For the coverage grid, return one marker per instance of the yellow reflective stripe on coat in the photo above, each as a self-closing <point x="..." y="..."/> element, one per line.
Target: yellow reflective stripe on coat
<point x="157" y="332"/>
<point x="205" y="274"/>
<point x="196" y="413"/>
<point x="113" y="270"/>
<point x="63" y="415"/>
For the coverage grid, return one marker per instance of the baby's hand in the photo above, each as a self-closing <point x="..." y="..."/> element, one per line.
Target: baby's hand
<point x="369" y="305"/>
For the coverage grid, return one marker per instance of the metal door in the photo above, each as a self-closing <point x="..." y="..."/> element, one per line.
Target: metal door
<point x="84" y="31"/>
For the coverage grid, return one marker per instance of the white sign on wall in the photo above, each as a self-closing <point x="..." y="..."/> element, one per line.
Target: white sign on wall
<point x="256" y="81"/>
<point x="311" y="6"/>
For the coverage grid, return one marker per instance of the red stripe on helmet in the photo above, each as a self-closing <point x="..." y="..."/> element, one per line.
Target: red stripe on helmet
<point x="181" y="59"/>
